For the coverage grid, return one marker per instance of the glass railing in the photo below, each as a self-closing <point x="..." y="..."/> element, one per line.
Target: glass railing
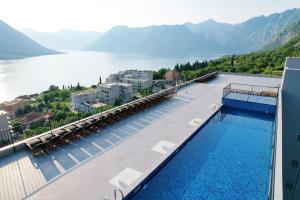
<point x="16" y="134"/>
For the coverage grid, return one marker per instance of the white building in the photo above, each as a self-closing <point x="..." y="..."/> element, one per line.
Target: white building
<point x="138" y="79"/>
<point x="12" y="106"/>
<point x="81" y="100"/>
<point x="109" y="92"/>
<point x="4" y="133"/>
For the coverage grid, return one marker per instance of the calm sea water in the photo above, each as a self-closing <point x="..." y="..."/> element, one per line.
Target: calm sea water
<point x="32" y="75"/>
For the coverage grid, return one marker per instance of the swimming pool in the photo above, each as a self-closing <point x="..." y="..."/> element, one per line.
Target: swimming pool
<point x="229" y="158"/>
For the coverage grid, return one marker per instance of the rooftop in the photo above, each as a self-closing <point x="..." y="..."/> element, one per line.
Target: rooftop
<point x="292" y="63"/>
<point x="15" y="101"/>
<point x="122" y="154"/>
<point x="85" y="92"/>
<point x="115" y="84"/>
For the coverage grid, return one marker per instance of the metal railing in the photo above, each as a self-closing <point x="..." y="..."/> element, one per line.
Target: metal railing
<point x="17" y="133"/>
<point x="13" y="135"/>
<point x="237" y="89"/>
<point x="253" y="75"/>
<point x="116" y="191"/>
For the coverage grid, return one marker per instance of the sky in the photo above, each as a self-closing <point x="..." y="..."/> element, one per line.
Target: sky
<point x="101" y="15"/>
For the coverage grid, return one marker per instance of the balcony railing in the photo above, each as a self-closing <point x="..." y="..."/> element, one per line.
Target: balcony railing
<point x="16" y="134"/>
<point x="234" y="89"/>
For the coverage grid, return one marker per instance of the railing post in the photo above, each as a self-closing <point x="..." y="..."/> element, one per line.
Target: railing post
<point x="13" y="141"/>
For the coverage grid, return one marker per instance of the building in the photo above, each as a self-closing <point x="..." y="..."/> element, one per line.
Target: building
<point x="258" y="153"/>
<point x="109" y="92"/>
<point x="138" y="145"/>
<point x="4" y="133"/>
<point x="31" y="117"/>
<point x="290" y="132"/>
<point x="113" y="78"/>
<point x="12" y="106"/>
<point x="172" y="75"/>
<point x="81" y="100"/>
<point x="139" y="80"/>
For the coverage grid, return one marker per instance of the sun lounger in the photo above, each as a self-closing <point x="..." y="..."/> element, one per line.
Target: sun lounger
<point x="35" y="146"/>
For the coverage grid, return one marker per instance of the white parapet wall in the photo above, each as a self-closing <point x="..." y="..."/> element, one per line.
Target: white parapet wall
<point x="291" y="130"/>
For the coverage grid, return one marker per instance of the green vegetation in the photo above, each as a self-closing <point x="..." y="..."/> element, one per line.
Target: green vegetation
<point x="160" y="74"/>
<point x="4" y="142"/>
<point x="103" y="108"/>
<point x="118" y="101"/>
<point x="55" y="102"/>
<point x="269" y="62"/>
<point x="146" y="92"/>
<point x="44" y="126"/>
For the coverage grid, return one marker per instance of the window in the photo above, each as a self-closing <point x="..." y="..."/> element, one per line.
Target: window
<point x="298" y="138"/>
<point x="295" y="163"/>
<point x="289" y="186"/>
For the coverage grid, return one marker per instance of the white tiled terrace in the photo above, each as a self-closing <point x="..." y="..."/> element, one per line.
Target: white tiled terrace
<point x="121" y="155"/>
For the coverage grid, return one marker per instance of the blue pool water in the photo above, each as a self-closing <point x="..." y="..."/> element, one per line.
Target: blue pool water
<point x="229" y="158"/>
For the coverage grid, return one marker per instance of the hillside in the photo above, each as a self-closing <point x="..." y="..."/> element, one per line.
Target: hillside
<point x="256" y="32"/>
<point x="208" y="37"/>
<point x="14" y="44"/>
<point x="285" y="36"/>
<point x="64" y="39"/>
<point x="269" y="62"/>
<point x="165" y="40"/>
<point x="209" y="26"/>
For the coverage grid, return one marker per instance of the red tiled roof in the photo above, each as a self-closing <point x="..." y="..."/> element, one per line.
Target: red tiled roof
<point x="32" y="117"/>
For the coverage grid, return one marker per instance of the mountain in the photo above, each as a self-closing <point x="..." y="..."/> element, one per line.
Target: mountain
<point x="284" y="36"/>
<point x="14" y="44"/>
<point x="262" y="62"/>
<point x="256" y="32"/>
<point x="206" y="37"/>
<point x="209" y="25"/>
<point x="64" y="39"/>
<point x="165" y="40"/>
<point x="209" y="29"/>
<point x="268" y="62"/>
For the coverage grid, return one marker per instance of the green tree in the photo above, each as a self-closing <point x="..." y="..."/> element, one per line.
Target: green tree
<point x="232" y="60"/>
<point x="118" y="102"/>
<point x="53" y="88"/>
<point x="160" y="74"/>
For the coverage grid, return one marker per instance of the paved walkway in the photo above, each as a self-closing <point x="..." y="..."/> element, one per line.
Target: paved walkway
<point x="119" y="156"/>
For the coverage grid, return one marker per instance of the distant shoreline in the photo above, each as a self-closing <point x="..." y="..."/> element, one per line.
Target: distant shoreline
<point x="72" y="67"/>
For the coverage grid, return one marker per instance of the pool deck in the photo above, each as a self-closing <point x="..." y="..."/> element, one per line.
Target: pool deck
<point x="121" y="155"/>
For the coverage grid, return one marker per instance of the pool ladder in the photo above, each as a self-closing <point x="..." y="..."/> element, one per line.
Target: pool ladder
<point x="116" y="191"/>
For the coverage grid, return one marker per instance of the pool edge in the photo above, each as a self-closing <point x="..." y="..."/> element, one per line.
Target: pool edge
<point x="142" y="183"/>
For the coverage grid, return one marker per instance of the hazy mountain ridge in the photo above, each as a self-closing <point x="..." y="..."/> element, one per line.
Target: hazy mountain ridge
<point x="205" y="37"/>
<point x="164" y="40"/>
<point x="285" y="36"/>
<point x="209" y="29"/>
<point x="64" y="39"/>
<point x="256" y="32"/>
<point x="14" y="44"/>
